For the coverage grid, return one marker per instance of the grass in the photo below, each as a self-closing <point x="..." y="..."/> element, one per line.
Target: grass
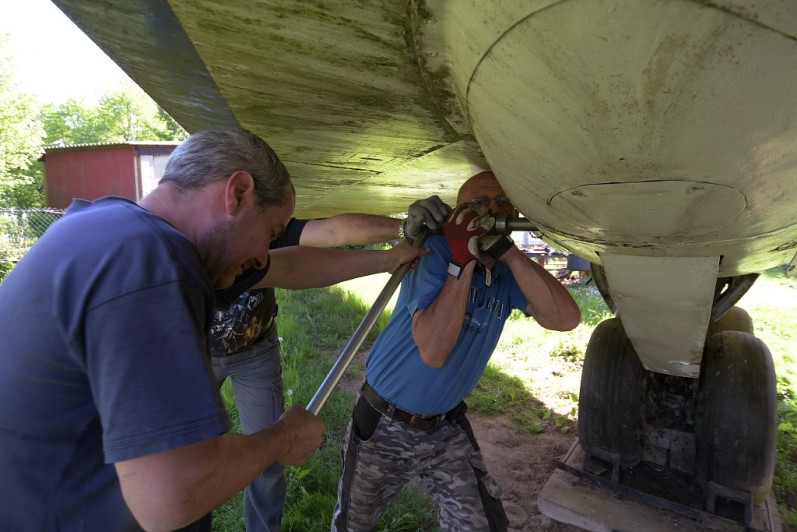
<point x="533" y="377"/>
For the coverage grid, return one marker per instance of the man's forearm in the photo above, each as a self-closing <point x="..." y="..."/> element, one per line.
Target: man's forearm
<point x="299" y="267"/>
<point x="436" y="328"/>
<point x="549" y="302"/>
<point x="173" y="488"/>
<point x="350" y="230"/>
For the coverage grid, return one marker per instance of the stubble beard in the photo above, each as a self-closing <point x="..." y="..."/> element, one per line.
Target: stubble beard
<point x="215" y="252"/>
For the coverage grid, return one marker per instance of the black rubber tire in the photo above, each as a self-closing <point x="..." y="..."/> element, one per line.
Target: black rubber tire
<point x="736" y="319"/>
<point x="737" y="422"/>
<point x="610" y="404"/>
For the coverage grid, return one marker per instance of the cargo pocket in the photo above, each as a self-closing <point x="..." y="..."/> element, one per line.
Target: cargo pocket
<point x="365" y="419"/>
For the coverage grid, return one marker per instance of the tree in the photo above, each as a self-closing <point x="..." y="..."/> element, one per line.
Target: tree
<point x="125" y="114"/>
<point x="71" y="122"/>
<point x="129" y="114"/>
<point x="21" y="136"/>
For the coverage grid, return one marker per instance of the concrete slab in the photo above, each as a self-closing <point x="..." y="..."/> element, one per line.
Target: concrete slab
<point x="568" y="498"/>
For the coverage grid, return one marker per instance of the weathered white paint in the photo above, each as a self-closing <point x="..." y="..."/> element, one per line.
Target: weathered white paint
<point x="665" y="306"/>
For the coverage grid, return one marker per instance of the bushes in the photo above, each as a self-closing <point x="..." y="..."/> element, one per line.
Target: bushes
<point x="8" y="255"/>
<point x="19" y="229"/>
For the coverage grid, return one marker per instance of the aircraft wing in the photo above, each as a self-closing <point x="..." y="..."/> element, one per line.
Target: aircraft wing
<point x="336" y="89"/>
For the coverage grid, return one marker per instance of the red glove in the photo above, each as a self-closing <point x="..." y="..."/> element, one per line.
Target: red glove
<point x="466" y="224"/>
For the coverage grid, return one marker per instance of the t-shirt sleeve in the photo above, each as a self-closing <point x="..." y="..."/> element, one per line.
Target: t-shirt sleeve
<point x="291" y="235"/>
<point x="429" y="276"/>
<point x="149" y="371"/>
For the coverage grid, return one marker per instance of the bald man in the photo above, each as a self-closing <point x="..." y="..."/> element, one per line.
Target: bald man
<point x="409" y="419"/>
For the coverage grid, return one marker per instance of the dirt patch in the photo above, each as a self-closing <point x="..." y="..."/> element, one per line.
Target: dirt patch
<point x="521" y="464"/>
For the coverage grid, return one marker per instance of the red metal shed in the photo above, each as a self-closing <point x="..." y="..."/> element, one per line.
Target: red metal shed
<point x="91" y="171"/>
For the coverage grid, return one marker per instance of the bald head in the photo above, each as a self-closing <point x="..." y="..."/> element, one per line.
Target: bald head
<point x="485" y="189"/>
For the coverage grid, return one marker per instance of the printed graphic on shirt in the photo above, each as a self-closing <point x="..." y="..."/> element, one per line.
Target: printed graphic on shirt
<point x="240" y="324"/>
<point x="479" y="310"/>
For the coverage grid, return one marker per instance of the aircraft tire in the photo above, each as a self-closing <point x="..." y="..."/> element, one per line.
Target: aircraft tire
<point x="610" y="406"/>
<point x="736" y="319"/>
<point x="737" y="421"/>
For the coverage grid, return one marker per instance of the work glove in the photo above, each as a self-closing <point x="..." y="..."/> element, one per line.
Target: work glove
<point x="430" y="212"/>
<point x="466" y="224"/>
<point x="495" y="245"/>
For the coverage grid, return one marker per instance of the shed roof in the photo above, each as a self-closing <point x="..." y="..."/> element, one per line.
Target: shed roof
<point x="109" y="145"/>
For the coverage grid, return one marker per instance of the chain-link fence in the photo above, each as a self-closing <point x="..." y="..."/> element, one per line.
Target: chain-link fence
<point x="19" y="229"/>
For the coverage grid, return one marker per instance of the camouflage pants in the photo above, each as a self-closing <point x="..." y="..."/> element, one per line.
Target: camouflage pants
<point x="380" y="455"/>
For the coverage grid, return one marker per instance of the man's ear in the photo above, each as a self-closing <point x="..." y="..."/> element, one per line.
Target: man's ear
<point x="240" y="184"/>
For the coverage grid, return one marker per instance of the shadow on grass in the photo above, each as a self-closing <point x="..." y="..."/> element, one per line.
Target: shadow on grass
<point x="498" y="393"/>
<point x="777" y="273"/>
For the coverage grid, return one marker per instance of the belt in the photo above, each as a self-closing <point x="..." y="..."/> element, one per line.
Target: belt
<point x="415" y="421"/>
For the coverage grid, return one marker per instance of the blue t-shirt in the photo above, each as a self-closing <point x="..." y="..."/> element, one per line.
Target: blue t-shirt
<point x="104" y="358"/>
<point x="394" y="367"/>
